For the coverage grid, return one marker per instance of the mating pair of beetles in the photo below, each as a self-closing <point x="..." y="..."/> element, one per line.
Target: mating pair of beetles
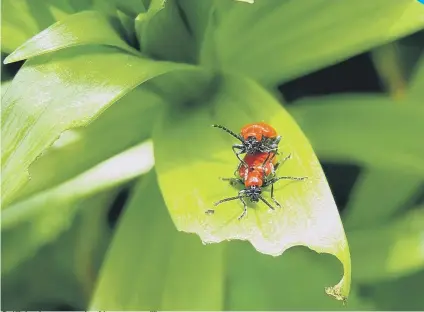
<point x="259" y="143"/>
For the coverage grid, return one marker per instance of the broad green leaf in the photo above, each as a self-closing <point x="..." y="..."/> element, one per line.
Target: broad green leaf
<point x="83" y="148"/>
<point x="150" y="266"/>
<point x="389" y="251"/>
<point x="64" y="90"/>
<point x="25" y="18"/>
<point x="4" y="86"/>
<point x="85" y="28"/>
<point x="74" y="258"/>
<point x="190" y="157"/>
<point x="45" y="215"/>
<point x="374" y="131"/>
<point x="256" y="282"/>
<point x="163" y="34"/>
<point x="276" y="41"/>
<point x="367" y="207"/>
<point x="177" y="89"/>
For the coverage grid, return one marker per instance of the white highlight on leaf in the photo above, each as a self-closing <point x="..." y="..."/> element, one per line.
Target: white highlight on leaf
<point x="117" y="169"/>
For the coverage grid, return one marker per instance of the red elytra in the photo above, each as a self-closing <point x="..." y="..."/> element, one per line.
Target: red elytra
<point x="258" y="137"/>
<point x="259" y="173"/>
<point x="259" y="166"/>
<point x="258" y="130"/>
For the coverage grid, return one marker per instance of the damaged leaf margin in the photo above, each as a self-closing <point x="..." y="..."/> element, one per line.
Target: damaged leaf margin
<point x="190" y="183"/>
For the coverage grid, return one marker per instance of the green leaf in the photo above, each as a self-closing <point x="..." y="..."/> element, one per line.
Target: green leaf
<point x="64" y="90"/>
<point x="83" y="148"/>
<point x="256" y="282"/>
<point x="366" y="206"/>
<point x="167" y="270"/>
<point x="392" y="250"/>
<point x="190" y="185"/>
<point x="73" y="258"/>
<point x="197" y="14"/>
<point x="4" y="86"/>
<point x="23" y="19"/>
<point x="130" y="7"/>
<point x="163" y="34"/>
<point x="276" y="41"/>
<point x="388" y="64"/>
<point x="371" y="130"/>
<point x="85" y="28"/>
<point x="45" y="215"/>
<point x="396" y="62"/>
<point x="128" y="28"/>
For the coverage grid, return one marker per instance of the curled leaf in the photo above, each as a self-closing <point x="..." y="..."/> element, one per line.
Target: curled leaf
<point x="157" y="29"/>
<point x="64" y="90"/>
<point x="88" y="27"/>
<point x="201" y="154"/>
<point x="23" y="19"/>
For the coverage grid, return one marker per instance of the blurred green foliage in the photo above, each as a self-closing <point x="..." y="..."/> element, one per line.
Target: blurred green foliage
<point x="91" y="228"/>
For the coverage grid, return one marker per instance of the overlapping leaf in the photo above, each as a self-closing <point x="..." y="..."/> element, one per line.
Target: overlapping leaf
<point x="151" y="266"/>
<point x="275" y="41"/>
<point x="162" y="33"/>
<point x="46" y="214"/>
<point x="367" y="208"/>
<point x="82" y="148"/>
<point x="23" y="19"/>
<point x="256" y="282"/>
<point x="67" y="89"/>
<point x="88" y="27"/>
<point x="74" y="258"/>
<point x="190" y="184"/>
<point x="369" y="130"/>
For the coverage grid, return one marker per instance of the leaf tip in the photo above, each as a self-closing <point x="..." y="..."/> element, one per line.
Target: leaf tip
<point x="336" y="293"/>
<point x="9" y="59"/>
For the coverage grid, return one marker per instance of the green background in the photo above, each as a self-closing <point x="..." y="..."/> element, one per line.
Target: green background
<point x="110" y="116"/>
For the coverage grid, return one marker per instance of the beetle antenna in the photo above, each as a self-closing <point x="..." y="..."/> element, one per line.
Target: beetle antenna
<point x="226" y="199"/>
<point x="228" y="131"/>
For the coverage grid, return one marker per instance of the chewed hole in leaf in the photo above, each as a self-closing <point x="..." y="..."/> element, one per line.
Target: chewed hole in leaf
<point x="200" y="155"/>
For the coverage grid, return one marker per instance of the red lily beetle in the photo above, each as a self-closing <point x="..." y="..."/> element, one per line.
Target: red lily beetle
<point x="255" y="138"/>
<point x="260" y="173"/>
